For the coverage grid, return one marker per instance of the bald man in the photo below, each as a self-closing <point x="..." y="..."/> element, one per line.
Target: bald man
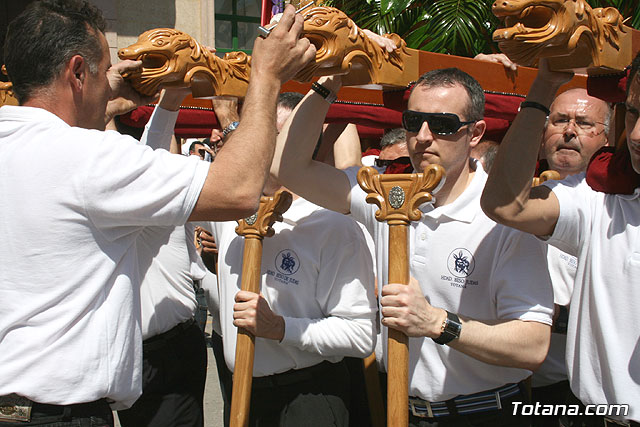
<point x="577" y="127"/>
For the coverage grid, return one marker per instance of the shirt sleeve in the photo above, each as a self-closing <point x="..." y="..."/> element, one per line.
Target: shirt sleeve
<point x="361" y="211"/>
<point x="131" y="184"/>
<point x="345" y="291"/>
<point x="529" y="296"/>
<point x="574" y="216"/>
<point x="159" y="129"/>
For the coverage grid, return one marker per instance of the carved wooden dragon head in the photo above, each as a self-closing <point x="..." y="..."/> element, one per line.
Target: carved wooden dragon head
<point x="548" y="28"/>
<point x="172" y="58"/>
<point x="342" y="48"/>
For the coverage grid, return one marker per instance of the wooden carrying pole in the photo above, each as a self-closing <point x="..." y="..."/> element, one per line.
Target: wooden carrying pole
<point x="254" y="229"/>
<point x="399" y="196"/>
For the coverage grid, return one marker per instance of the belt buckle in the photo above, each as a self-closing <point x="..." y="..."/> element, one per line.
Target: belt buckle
<point x="418" y="412"/>
<point x="15" y="408"/>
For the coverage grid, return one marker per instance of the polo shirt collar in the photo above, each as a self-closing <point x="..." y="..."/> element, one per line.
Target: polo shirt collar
<point x="466" y="206"/>
<point x="299" y="209"/>
<point x="29" y="114"/>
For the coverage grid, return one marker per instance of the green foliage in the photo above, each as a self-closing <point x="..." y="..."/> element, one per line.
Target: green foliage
<point x="458" y="27"/>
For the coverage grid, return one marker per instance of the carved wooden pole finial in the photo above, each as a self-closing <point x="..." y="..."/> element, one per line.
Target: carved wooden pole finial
<point x="545" y="176"/>
<point x="399" y="197"/>
<point x="253" y="229"/>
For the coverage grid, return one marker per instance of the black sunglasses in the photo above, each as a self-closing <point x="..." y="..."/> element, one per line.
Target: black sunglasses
<point x="399" y="161"/>
<point x="439" y="123"/>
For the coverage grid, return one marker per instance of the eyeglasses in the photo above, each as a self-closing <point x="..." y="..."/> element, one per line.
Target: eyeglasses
<point x="439" y="123"/>
<point x="582" y="125"/>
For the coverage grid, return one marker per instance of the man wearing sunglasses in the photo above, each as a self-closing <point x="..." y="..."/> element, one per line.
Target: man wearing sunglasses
<point x="463" y="265"/>
<point x="601" y="231"/>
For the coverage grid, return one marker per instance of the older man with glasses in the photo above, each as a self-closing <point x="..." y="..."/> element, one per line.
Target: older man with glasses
<point x="577" y="127"/>
<point x="478" y="308"/>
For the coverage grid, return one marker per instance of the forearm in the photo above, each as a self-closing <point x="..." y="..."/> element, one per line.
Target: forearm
<point x="507" y="196"/>
<point x="236" y="178"/>
<point x="331" y="336"/>
<point x="293" y="165"/>
<point x="346" y="150"/>
<point x="513" y="343"/>
<point x="251" y="146"/>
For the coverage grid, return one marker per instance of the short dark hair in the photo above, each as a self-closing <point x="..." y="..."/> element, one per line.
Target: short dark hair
<point x="394" y="136"/>
<point x="289" y="100"/>
<point x="45" y="36"/>
<point x="192" y="147"/>
<point x="448" y="77"/>
<point x="635" y="66"/>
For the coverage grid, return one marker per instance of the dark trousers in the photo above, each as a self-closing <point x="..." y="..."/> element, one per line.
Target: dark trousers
<point x="174" y="374"/>
<point x="225" y="376"/>
<point x="552" y="394"/>
<point x="317" y="396"/>
<point x="94" y="414"/>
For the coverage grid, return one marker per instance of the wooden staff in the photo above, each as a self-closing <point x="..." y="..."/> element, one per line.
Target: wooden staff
<point x="398" y="196"/>
<point x="253" y="229"/>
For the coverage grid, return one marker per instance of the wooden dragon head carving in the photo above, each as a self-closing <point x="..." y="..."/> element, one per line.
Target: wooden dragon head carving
<point x="172" y="58"/>
<point x="342" y="48"/>
<point x="584" y="38"/>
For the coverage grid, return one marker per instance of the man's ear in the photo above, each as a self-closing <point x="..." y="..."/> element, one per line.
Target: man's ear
<point x="77" y="71"/>
<point x="477" y="131"/>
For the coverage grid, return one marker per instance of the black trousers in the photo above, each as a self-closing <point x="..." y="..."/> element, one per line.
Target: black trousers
<point x="174" y="374"/>
<point x="552" y="394"/>
<point x="317" y="396"/>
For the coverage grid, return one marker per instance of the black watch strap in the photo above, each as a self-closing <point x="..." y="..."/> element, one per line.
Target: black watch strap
<point x="451" y="328"/>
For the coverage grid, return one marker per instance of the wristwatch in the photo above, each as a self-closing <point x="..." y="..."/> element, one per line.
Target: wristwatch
<point x="451" y="328"/>
<point x="230" y="128"/>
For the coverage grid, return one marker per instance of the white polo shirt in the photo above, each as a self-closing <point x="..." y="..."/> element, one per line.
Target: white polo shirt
<point x="603" y="339"/>
<point x="562" y="269"/>
<point x="317" y="273"/>
<point x="73" y="204"/>
<point x="169" y="261"/>
<point x="466" y="264"/>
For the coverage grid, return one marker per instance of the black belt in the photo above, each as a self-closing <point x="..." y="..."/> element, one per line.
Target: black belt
<point x="13" y="405"/>
<point x="159" y="341"/>
<point x="294" y="376"/>
<point x="483" y="401"/>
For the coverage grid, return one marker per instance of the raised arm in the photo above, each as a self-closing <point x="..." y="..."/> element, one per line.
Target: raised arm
<point x="293" y="165"/>
<point x="508" y="197"/>
<point x="235" y="181"/>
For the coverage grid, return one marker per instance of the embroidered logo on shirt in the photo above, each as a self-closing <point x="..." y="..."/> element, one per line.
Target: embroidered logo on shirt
<point x="287" y="262"/>
<point x="461" y="263"/>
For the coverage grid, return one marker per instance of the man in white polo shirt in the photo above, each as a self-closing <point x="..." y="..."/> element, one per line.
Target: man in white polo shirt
<point x="75" y="198"/>
<point x="601" y="230"/>
<point x="316" y="306"/>
<point x="577" y="127"/>
<point x="487" y="282"/>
